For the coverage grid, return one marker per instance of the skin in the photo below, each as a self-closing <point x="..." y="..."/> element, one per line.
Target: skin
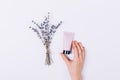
<point x="75" y="66"/>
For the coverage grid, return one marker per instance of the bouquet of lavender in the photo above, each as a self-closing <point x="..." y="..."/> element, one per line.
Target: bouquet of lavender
<point x="45" y="32"/>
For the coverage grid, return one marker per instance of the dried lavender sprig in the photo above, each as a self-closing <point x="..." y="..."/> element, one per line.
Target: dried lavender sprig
<point x="38" y="34"/>
<point x="35" y="30"/>
<point x="53" y="28"/>
<point x="46" y="32"/>
<point x="42" y="27"/>
<point x="37" y="24"/>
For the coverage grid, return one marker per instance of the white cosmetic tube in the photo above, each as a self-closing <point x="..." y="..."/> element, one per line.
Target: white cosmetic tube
<point x="67" y="40"/>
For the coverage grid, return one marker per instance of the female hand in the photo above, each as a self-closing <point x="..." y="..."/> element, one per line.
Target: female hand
<point x="75" y="66"/>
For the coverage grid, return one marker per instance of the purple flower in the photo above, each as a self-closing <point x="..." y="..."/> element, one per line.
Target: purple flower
<point x="45" y="32"/>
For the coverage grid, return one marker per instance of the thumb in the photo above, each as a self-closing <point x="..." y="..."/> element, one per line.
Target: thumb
<point x="65" y="58"/>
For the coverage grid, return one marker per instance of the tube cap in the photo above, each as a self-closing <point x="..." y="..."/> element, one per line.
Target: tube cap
<point x="66" y="52"/>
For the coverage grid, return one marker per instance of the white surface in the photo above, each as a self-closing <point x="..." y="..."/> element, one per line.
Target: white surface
<point x="95" y="22"/>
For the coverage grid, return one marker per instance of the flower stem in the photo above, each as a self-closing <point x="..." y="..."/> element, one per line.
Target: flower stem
<point x="48" y="57"/>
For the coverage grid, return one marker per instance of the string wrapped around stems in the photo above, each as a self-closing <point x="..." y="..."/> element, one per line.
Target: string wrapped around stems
<point x="45" y="32"/>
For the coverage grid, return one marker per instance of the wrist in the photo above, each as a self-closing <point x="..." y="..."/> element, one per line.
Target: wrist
<point x="76" y="77"/>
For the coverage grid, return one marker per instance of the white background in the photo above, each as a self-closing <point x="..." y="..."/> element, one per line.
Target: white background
<point x="96" y="24"/>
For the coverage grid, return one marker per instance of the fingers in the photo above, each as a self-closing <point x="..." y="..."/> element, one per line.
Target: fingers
<point x="65" y="58"/>
<point x="74" y="45"/>
<point x="79" y="51"/>
<point x="82" y="49"/>
<point x="83" y="53"/>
